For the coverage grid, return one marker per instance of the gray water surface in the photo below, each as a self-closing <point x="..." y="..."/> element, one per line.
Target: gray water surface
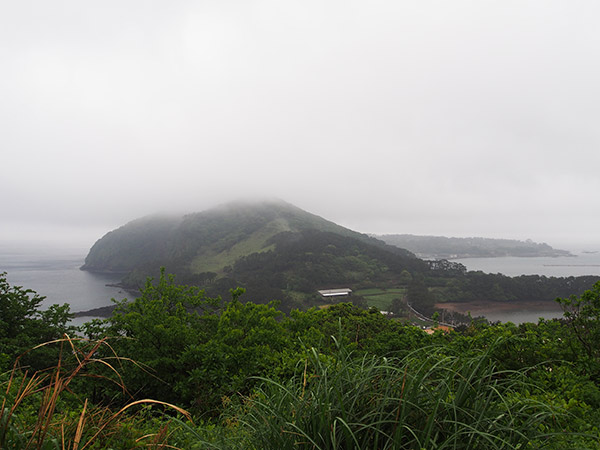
<point x="54" y="273"/>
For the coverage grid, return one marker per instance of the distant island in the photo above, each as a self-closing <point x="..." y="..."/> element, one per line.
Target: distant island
<point x="435" y="247"/>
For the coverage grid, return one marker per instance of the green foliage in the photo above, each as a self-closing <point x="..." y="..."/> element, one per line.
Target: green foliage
<point x="381" y="298"/>
<point x="156" y="329"/>
<point x="23" y="325"/>
<point x="397" y="307"/>
<point x="583" y="316"/>
<point x="189" y="348"/>
<point x="362" y="331"/>
<point x="405" y="277"/>
<point x="310" y="260"/>
<point x="248" y="340"/>
<point x="451" y="285"/>
<point x="427" y="400"/>
<point x="44" y="410"/>
<point x="419" y="296"/>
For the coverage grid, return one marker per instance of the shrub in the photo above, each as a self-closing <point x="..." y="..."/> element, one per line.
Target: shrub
<point x="42" y="410"/>
<point x="426" y="400"/>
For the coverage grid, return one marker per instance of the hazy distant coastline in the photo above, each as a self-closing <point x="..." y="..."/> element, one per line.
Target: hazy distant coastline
<point x="441" y="247"/>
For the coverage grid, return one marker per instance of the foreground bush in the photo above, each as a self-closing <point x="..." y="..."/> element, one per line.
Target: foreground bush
<point x="42" y="410"/>
<point x="425" y="401"/>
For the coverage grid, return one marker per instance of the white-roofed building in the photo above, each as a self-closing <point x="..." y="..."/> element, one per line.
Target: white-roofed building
<point x="343" y="292"/>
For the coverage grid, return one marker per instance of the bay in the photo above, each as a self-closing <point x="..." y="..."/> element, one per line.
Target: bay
<point x="562" y="266"/>
<point x="580" y="264"/>
<point x="53" y="271"/>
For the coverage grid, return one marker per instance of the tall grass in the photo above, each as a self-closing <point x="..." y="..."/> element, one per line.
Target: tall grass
<point x="428" y="400"/>
<point x="425" y="401"/>
<point x="35" y="410"/>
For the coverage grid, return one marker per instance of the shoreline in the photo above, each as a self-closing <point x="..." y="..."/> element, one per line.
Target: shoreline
<point x="479" y="308"/>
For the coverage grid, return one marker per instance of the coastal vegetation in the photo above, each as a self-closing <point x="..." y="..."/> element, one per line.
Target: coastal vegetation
<point x="176" y="368"/>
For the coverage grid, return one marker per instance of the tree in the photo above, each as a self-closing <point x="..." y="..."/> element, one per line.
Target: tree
<point x="249" y="341"/>
<point x="405" y="277"/>
<point x="187" y="348"/>
<point x="419" y="297"/>
<point x="155" y="329"/>
<point x="397" y="306"/>
<point x="24" y="325"/>
<point x="583" y="316"/>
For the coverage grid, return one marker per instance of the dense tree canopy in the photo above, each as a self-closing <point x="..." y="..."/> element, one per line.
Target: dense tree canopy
<point x="23" y="324"/>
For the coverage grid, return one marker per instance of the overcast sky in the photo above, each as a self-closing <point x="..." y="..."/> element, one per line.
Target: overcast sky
<point x="456" y="118"/>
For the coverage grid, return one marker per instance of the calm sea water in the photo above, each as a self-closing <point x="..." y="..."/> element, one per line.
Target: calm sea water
<point x="53" y="272"/>
<point x="562" y="266"/>
<point x="523" y="315"/>
<point x="578" y="265"/>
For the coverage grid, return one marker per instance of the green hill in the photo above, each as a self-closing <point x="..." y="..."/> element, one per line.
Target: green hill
<point x="274" y="249"/>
